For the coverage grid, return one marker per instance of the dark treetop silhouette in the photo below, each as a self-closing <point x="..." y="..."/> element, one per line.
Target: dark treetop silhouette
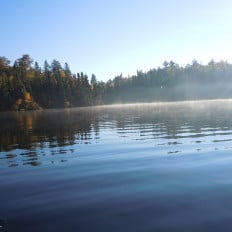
<point x="26" y="86"/>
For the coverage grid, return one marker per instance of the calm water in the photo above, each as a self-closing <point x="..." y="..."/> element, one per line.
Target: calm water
<point x="152" y="167"/>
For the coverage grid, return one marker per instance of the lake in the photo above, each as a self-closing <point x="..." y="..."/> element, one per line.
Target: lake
<point x="142" y="167"/>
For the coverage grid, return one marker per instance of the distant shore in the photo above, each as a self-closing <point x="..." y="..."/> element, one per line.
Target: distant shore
<point x="26" y="86"/>
<point x="132" y="104"/>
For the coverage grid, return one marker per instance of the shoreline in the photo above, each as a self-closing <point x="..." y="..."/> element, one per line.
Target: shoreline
<point x="126" y="104"/>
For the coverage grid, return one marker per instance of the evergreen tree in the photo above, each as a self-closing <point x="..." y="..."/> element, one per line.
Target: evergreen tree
<point x="22" y="85"/>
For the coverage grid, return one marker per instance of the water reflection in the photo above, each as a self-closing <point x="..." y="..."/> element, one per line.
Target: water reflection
<point x="156" y="167"/>
<point x="27" y="138"/>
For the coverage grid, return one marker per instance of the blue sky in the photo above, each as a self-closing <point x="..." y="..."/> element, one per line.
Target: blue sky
<point x="107" y="37"/>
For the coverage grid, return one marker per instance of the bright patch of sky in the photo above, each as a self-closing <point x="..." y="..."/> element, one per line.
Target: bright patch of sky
<point x="119" y="36"/>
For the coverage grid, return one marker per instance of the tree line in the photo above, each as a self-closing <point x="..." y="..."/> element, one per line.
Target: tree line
<point x="24" y="85"/>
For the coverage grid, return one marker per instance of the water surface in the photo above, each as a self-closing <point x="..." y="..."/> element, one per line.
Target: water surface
<point x="145" y="167"/>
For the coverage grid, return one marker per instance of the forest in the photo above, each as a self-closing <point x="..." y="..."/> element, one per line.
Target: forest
<point x="24" y="85"/>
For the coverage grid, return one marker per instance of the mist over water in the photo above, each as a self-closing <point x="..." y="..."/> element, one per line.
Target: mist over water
<point x="135" y="167"/>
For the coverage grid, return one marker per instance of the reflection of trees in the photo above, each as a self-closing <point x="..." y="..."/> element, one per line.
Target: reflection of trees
<point x="56" y="128"/>
<point x="171" y="120"/>
<point x="59" y="128"/>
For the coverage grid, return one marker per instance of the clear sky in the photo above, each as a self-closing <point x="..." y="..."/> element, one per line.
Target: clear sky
<point x="107" y="37"/>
